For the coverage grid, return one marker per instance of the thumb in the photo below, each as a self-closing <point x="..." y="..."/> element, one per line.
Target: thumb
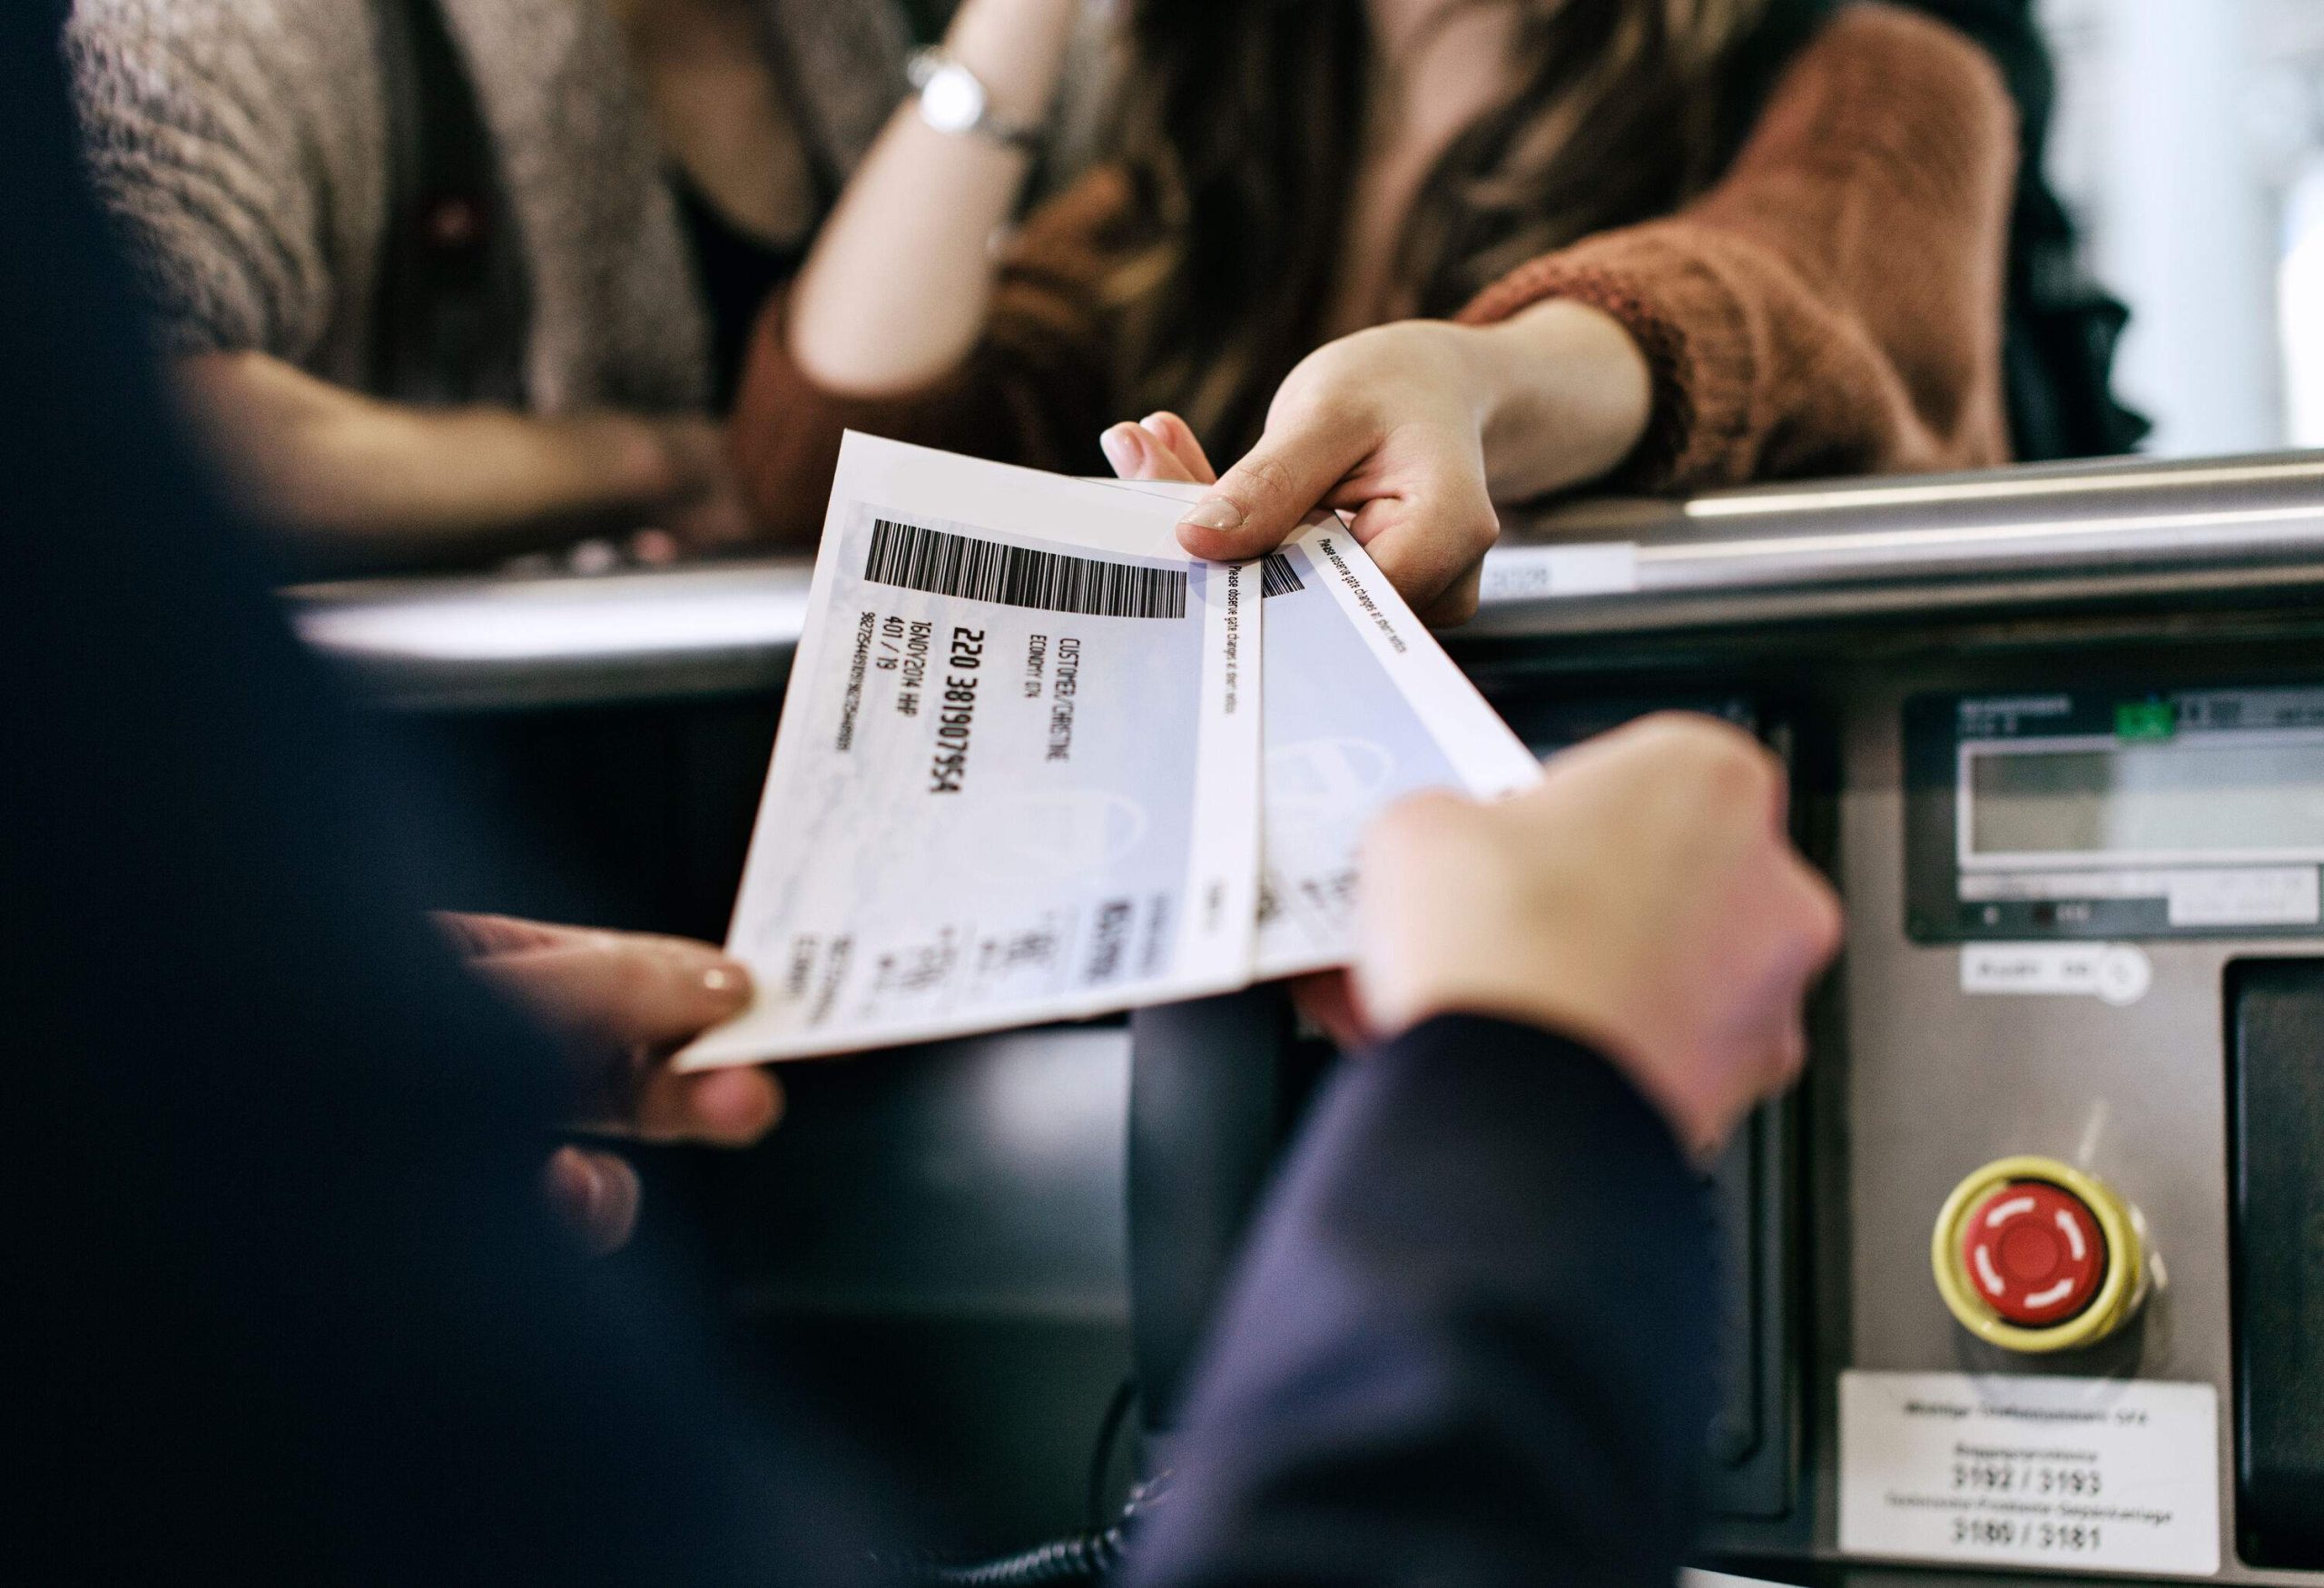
<point x="1257" y="504"/>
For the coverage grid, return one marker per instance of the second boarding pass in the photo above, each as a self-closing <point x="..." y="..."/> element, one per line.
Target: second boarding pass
<point x="1037" y="762"/>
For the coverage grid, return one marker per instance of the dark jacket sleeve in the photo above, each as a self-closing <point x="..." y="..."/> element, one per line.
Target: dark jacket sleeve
<point x="1469" y="1344"/>
<point x="287" y="1302"/>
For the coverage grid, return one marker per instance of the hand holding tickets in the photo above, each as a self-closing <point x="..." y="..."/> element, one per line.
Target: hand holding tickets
<point x="1019" y="772"/>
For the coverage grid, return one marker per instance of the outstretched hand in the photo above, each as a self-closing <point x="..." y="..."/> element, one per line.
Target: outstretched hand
<point x="1415" y="430"/>
<point x="1384" y="424"/>
<point x="621" y="1003"/>
<point x="1162" y="447"/>
<point x="1643" y="897"/>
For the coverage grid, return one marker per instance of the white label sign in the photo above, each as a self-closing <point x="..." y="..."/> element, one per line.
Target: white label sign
<point x="2073" y="1473"/>
<point x="1526" y="573"/>
<point x="2118" y="973"/>
<point x="2255" y="896"/>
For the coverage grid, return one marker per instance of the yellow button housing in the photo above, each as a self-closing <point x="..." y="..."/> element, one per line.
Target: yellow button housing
<point x="2120" y="1292"/>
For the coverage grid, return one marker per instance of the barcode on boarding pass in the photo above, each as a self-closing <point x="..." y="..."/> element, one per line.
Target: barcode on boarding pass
<point x="945" y="564"/>
<point x="1278" y="576"/>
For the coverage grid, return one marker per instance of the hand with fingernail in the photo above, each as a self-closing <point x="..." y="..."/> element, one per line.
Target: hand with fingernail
<point x="1161" y="447"/>
<point x="1416" y="430"/>
<point x="621" y="1003"/>
<point x="1158" y="447"/>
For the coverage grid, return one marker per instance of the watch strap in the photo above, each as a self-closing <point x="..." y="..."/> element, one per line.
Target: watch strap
<point x="926" y="63"/>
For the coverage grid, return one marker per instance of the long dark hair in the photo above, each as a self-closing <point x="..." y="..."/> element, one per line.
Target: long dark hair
<point x="1241" y="126"/>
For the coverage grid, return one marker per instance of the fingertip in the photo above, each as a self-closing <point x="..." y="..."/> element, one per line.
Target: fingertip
<point x="622" y="1195"/>
<point x="1170" y="432"/>
<point x="1210" y="544"/>
<point x="655" y="547"/>
<point x="1176" y="440"/>
<point x="570" y="1182"/>
<point x="1219" y="514"/>
<point x="1123" y="444"/>
<point x="597" y="1194"/>
<point x="736" y="1106"/>
<point x="728" y="981"/>
<point x="1224" y="545"/>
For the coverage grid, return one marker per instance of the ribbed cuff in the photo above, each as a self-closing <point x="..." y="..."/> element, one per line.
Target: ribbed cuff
<point x="1688" y="327"/>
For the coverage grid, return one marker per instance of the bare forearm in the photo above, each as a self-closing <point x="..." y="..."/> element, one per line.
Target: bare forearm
<point x="896" y="291"/>
<point x="358" y="481"/>
<point x="1565" y="395"/>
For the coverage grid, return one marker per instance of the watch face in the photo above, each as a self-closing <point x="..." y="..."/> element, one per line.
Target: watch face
<point x="952" y="100"/>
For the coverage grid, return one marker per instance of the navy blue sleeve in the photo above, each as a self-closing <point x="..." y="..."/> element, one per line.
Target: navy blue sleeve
<point x="1469" y="1342"/>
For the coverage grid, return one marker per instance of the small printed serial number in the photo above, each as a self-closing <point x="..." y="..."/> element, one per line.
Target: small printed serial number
<point x="2046" y="1537"/>
<point x="2012" y="1477"/>
<point x="956" y="713"/>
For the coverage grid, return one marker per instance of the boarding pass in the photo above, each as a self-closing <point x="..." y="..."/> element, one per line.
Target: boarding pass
<point x="1361" y="708"/>
<point x="1036" y="762"/>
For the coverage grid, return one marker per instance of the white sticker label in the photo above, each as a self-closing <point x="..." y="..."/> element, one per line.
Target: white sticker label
<point x="2256" y="896"/>
<point x="2073" y="1473"/>
<point x="1526" y="573"/>
<point x="2118" y="973"/>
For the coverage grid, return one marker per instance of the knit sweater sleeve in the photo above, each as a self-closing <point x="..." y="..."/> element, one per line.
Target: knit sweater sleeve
<point x="228" y="138"/>
<point x="1834" y="304"/>
<point x="1035" y="389"/>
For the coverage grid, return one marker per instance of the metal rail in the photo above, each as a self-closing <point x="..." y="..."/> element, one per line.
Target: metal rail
<point x="2012" y="540"/>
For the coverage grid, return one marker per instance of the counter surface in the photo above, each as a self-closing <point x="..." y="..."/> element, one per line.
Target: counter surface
<point x="2008" y="541"/>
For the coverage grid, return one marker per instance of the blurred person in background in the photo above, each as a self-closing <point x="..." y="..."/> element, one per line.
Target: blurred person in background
<point x="1408" y="444"/>
<point x="1657" y="247"/>
<point x="450" y="279"/>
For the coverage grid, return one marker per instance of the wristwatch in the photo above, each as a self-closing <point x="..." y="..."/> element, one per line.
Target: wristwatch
<point x="952" y="99"/>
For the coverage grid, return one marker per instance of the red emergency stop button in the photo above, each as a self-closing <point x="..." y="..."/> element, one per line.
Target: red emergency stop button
<point x="2034" y="1255"/>
<point x="2034" y="1252"/>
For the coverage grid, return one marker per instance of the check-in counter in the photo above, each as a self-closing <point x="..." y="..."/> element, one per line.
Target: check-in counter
<point x="1928" y="547"/>
<point x="2026" y="1279"/>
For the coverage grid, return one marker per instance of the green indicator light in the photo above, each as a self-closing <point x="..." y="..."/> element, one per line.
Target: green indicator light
<point x="2145" y="719"/>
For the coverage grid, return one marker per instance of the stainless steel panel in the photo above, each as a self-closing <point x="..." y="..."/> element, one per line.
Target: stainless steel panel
<point x="1937" y="1083"/>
